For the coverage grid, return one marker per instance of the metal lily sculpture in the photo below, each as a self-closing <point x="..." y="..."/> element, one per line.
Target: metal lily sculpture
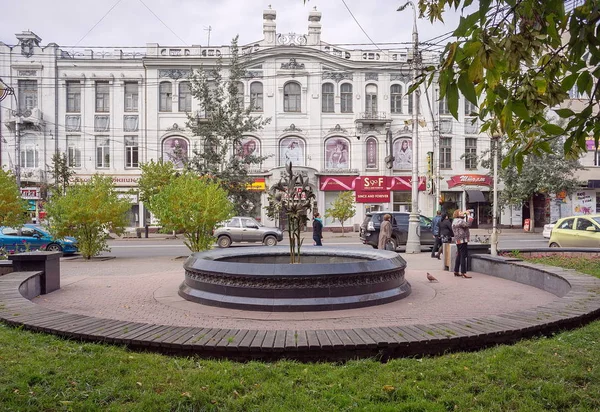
<point x="292" y="196"/>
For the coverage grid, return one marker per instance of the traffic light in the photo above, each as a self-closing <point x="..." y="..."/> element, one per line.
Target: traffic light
<point x="430" y="163"/>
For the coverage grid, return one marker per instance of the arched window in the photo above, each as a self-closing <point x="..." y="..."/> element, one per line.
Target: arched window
<point x="240" y="93"/>
<point x="337" y="153"/>
<point x="292" y="149"/>
<point x="371" y="100"/>
<point x="165" y="91"/>
<point x="185" y="97"/>
<point x="346" y="98"/>
<point x="327" y="105"/>
<point x="396" y="98"/>
<point x="256" y="96"/>
<point x="29" y="152"/>
<point x="372" y="152"/>
<point x="291" y="97"/>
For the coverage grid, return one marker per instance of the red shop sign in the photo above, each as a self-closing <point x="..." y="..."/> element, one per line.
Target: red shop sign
<point x="372" y="197"/>
<point x="337" y="183"/>
<point x="404" y="183"/>
<point x="473" y="180"/>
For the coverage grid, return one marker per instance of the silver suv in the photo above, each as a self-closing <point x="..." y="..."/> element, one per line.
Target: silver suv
<point x="246" y="229"/>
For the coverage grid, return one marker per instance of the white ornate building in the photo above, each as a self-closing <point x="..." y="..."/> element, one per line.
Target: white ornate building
<point x="336" y="113"/>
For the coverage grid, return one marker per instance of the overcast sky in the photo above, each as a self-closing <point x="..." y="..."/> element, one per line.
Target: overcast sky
<point x="131" y="23"/>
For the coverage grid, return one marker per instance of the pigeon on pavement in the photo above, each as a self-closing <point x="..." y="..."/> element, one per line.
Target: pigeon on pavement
<point x="431" y="278"/>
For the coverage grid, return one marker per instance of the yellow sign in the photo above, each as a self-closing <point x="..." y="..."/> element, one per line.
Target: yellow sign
<point x="257" y="186"/>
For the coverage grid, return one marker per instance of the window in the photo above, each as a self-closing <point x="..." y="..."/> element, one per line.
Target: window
<point x="73" y="123"/>
<point x="371" y="100"/>
<point x="131" y="151"/>
<point x="445" y="152"/>
<point x="240" y="93"/>
<point x="583" y="224"/>
<point x="29" y="153"/>
<point x="27" y="94"/>
<point x="327" y="105"/>
<point x="102" y="152"/>
<point x="470" y="108"/>
<point x="410" y="103"/>
<point x="470" y="153"/>
<point x="251" y="223"/>
<point x="73" y="151"/>
<point x="185" y="97"/>
<point x="346" y="98"/>
<point x="102" y="97"/>
<point x="567" y="224"/>
<point x="444" y="106"/>
<point x="131" y="97"/>
<point x="256" y="96"/>
<point x="396" y="98"/>
<point x="371" y="143"/>
<point x="291" y="97"/>
<point x="74" y="97"/>
<point x="165" y="97"/>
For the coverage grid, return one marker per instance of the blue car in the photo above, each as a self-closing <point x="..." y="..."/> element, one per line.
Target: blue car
<point x="34" y="237"/>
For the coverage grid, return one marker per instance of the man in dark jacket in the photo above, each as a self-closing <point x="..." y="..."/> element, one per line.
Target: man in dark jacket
<point x="435" y="229"/>
<point x="446" y="233"/>
<point x="317" y="229"/>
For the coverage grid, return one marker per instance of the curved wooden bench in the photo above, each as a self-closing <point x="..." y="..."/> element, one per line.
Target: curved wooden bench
<point x="578" y="302"/>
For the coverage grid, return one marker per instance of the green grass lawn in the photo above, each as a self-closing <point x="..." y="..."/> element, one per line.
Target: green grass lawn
<point x="43" y="373"/>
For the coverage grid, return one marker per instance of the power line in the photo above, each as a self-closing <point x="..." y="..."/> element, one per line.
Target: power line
<point x="359" y="25"/>
<point x="99" y="21"/>
<point x="164" y="24"/>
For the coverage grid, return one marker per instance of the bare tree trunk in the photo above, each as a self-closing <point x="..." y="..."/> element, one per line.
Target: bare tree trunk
<point x="343" y="231"/>
<point x="531" y="214"/>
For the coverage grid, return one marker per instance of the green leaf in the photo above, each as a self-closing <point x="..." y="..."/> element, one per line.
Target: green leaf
<point x="569" y="81"/>
<point x="518" y="108"/>
<point x="466" y="24"/>
<point x="584" y="83"/>
<point x="453" y="99"/>
<point x="553" y="129"/>
<point x="564" y="113"/>
<point x="467" y="88"/>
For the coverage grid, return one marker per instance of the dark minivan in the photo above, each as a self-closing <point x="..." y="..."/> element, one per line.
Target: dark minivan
<point x="369" y="230"/>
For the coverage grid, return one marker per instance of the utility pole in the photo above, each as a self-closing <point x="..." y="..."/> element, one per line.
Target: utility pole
<point x="494" y="237"/>
<point x="209" y="29"/>
<point x="413" y="242"/>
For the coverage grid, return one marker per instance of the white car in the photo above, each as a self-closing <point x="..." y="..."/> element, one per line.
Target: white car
<point x="548" y="229"/>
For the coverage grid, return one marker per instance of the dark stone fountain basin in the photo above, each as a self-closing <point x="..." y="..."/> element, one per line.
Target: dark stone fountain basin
<point x="260" y="278"/>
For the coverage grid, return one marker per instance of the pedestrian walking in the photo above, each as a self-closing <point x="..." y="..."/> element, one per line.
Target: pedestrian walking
<point x="317" y="229"/>
<point x="385" y="231"/>
<point x="462" y="235"/>
<point x="446" y="233"/>
<point x="435" y="230"/>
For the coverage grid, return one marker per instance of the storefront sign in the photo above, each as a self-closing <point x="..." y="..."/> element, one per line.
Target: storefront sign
<point x="473" y="180"/>
<point x="258" y="185"/>
<point x="584" y="202"/>
<point x="30" y="193"/>
<point x="368" y="183"/>
<point x="122" y="180"/>
<point x="372" y="197"/>
<point x="590" y="143"/>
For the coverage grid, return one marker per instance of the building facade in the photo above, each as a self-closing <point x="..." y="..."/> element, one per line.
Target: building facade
<point x="337" y="114"/>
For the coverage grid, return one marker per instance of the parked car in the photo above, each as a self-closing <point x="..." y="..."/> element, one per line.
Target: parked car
<point x="369" y="229"/>
<point x="548" y="229"/>
<point x="246" y="229"/>
<point x="576" y="231"/>
<point x="34" y="237"/>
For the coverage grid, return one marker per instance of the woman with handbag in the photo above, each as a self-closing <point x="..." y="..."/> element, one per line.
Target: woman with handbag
<point x="462" y="235"/>
<point x="446" y="233"/>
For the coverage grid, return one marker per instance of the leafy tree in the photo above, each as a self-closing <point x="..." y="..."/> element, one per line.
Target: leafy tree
<point x="342" y="208"/>
<point x="61" y="172"/>
<point x="545" y="174"/>
<point x="155" y="177"/>
<point x="87" y="211"/>
<point x="192" y="205"/>
<point x="13" y="209"/>
<point x="517" y="59"/>
<point x="292" y="196"/>
<point x="225" y="124"/>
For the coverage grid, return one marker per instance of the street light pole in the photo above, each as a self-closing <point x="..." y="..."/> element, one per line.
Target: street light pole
<point x="494" y="238"/>
<point x="413" y="242"/>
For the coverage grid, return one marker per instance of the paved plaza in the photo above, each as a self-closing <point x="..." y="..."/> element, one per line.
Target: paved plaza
<point x="145" y="290"/>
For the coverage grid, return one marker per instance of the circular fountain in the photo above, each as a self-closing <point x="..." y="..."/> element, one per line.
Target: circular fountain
<point x="263" y="279"/>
